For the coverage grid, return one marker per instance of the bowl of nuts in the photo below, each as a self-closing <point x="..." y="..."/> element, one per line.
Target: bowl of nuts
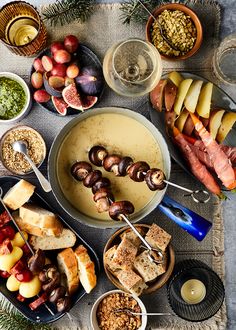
<point x="176" y="32"/>
<point x="14" y="161"/>
<point x="113" y="310"/>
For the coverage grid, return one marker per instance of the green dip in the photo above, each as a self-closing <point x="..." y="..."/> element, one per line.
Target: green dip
<point x="12" y="98"/>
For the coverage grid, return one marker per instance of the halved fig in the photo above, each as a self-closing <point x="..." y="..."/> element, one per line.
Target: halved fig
<point x="72" y="97"/>
<point x="60" y="105"/>
<point x="88" y="101"/>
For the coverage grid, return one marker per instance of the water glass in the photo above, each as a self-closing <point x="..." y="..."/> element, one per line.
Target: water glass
<point x="224" y="60"/>
<point x="132" y="67"/>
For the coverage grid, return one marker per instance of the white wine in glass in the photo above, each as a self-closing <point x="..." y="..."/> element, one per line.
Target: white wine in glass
<point x="132" y="67"/>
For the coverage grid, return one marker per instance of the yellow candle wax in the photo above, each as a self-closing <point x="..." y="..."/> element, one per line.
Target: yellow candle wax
<point x="193" y="291"/>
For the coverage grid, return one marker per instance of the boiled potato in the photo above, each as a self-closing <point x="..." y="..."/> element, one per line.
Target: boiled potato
<point x="204" y="101"/>
<point x="175" y="77"/>
<point x="215" y="121"/>
<point x="180" y="121"/>
<point x="182" y="92"/>
<point x="227" y="123"/>
<point x="156" y="95"/>
<point x="192" y="96"/>
<point x="7" y="261"/>
<point x="31" y="288"/>
<point x="12" y="283"/>
<point x="18" y="240"/>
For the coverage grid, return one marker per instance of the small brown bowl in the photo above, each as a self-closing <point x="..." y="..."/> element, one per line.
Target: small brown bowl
<point x="176" y="6"/>
<point x="159" y="282"/>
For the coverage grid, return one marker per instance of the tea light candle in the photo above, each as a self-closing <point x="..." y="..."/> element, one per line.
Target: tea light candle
<point x="193" y="291"/>
<point x="25" y="34"/>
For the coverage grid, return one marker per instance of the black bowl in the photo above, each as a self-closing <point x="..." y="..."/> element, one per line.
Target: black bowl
<point x="195" y="269"/>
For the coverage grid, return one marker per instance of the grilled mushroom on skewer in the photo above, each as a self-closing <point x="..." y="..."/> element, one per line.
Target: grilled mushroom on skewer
<point x="155" y="179"/>
<point x="101" y="183"/>
<point x="111" y="162"/>
<point x="36" y="262"/>
<point x="103" y="198"/>
<point x="124" y="165"/>
<point x="97" y="155"/>
<point x="57" y="293"/>
<point x="80" y="170"/>
<point x="138" y="170"/>
<point x="120" y="208"/>
<point x="91" y="178"/>
<point x="63" y="304"/>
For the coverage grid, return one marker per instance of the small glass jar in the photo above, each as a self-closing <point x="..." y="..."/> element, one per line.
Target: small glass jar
<point x="224" y="60"/>
<point x="21" y="29"/>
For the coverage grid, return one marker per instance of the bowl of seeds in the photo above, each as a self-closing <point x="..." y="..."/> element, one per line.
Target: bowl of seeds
<point x="176" y="31"/>
<point x="15" y="162"/>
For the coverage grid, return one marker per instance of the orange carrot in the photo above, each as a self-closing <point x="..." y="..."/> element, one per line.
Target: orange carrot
<point x="220" y="161"/>
<point x="197" y="168"/>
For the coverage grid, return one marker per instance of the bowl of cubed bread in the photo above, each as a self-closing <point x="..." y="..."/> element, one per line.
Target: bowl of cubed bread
<point x="176" y="32"/>
<point x="128" y="264"/>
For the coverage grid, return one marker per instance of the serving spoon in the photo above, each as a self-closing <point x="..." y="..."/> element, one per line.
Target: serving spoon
<point x="21" y="146"/>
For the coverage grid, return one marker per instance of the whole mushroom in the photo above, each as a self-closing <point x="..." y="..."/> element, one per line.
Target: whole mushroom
<point x="121" y="207"/>
<point x="101" y="183"/>
<point x="138" y="170"/>
<point x="63" y="304"/>
<point x="97" y="155"/>
<point x="155" y="179"/>
<point x="111" y="162"/>
<point x="80" y="170"/>
<point x="91" y="178"/>
<point x="36" y="262"/>
<point x="50" y="277"/>
<point x="57" y="293"/>
<point x="103" y="199"/>
<point x="124" y="165"/>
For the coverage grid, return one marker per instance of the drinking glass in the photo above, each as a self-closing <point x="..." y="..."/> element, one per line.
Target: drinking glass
<point x="21" y="28"/>
<point x="224" y="60"/>
<point x="132" y="67"/>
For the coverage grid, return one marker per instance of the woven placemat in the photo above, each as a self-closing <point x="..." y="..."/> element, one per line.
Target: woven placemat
<point x="100" y="32"/>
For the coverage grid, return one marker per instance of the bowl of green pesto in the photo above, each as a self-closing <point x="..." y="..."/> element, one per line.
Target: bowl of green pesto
<point x="15" y="98"/>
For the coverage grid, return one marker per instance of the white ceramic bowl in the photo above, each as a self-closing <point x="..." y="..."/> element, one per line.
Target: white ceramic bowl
<point x="28" y="102"/>
<point x="93" y="313"/>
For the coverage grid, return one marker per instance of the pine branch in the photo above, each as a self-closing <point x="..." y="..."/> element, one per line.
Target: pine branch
<point x="133" y="11"/>
<point x="66" y="11"/>
<point x="10" y="319"/>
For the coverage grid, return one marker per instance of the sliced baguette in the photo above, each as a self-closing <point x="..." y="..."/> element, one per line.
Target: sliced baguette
<point x="86" y="269"/>
<point x="112" y="266"/>
<point x="36" y="216"/>
<point x="131" y="281"/>
<point x="28" y="228"/>
<point x="19" y="194"/>
<point x="68" y="267"/>
<point x="66" y="239"/>
<point x="157" y="237"/>
<point x="132" y="237"/>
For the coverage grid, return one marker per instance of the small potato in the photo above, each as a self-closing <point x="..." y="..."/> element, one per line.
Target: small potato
<point x="18" y="240"/>
<point x="12" y="283"/>
<point x="7" y="261"/>
<point x="31" y="288"/>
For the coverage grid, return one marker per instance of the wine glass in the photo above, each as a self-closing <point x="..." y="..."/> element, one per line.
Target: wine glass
<point x="132" y="67"/>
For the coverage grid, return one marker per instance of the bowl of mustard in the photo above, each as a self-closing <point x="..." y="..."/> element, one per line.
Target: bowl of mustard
<point x="15" y="98"/>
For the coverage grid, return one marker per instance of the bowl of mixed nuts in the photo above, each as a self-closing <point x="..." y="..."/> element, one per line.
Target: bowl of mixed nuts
<point x="113" y="310"/>
<point x="176" y="32"/>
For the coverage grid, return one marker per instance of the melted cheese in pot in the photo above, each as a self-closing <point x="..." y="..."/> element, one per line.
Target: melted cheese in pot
<point x="118" y="134"/>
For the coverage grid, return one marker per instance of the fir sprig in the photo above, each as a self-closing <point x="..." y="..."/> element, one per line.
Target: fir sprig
<point x="66" y="11"/>
<point x="133" y="11"/>
<point x="10" y="319"/>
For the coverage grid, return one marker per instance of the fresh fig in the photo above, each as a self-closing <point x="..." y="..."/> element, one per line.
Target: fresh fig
<point x="72" y="97"/>
<point x="88" y="101"/>
<point x="60" y="105"/>
<point x="90" y="80"/>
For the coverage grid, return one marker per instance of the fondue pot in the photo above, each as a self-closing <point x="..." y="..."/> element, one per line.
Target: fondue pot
<point x="185" y="218"/>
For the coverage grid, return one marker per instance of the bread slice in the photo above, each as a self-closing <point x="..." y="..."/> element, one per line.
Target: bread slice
<point x="146" y="268"/>
<point x="28" y="228"/>
<point x="36" y="216"/>
<point x="157" y="237"/>
<point x="125" y="254"/>
<point x="112" y="266"/>
<point x="19" y="194"/>
<point x="86" y="269"/>
<point x="132" y="237"/>
<point x="131" y="281"/>
<point x="66" y="239"/>
<point x="68" y="267"/>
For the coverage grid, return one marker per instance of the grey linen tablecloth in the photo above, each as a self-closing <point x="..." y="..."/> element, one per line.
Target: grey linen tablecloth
<point x="100" y="32"/>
